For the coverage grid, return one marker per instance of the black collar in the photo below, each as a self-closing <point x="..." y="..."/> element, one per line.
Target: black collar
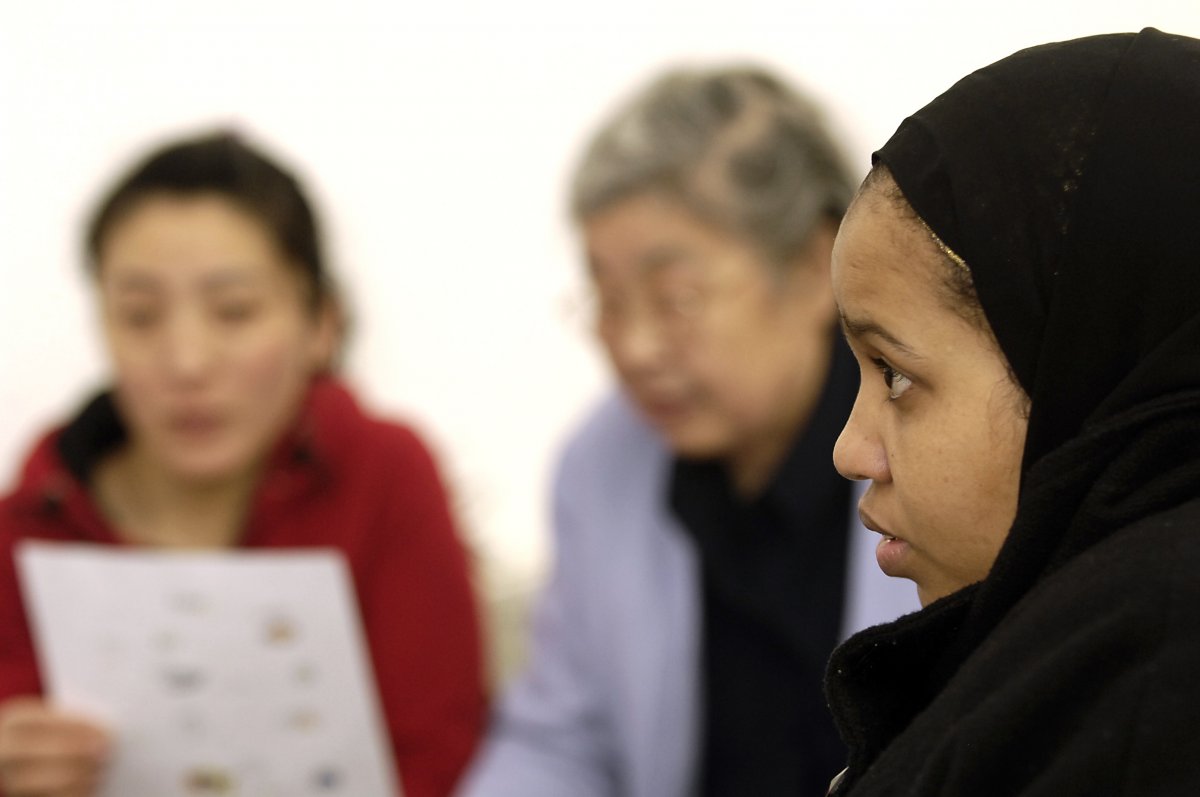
<point x="95" y="432"/>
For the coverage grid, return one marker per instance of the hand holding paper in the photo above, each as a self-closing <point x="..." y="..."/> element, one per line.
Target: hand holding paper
<point x="48" y="752"/>
<point x="218" y="673"/>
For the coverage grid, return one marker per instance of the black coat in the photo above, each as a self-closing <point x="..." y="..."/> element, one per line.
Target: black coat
<point x="1089" y="686"/>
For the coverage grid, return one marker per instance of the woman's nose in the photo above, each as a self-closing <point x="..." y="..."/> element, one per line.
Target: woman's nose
<point x="859" y="453"/>
<point x="188" y="348"/>
<point x="636" y="344"/>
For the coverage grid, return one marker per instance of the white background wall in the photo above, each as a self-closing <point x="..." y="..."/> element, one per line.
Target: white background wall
<point x="436" y="138"/>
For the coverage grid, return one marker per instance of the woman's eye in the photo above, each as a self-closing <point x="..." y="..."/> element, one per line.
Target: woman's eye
<point x="607" y="308"/>
<point x="897" y="383"/>
<point x="138" y="317"/>
<point x="678" y="302"/>
<point x="236" y="312"/>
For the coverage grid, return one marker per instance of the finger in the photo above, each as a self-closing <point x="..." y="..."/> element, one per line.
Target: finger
<point x="46" y="777"/>
<point x="82" y="744"/>
<point x="23" y="710"/>
<point x="44" y="732"/>
<point x="48" y="763"/>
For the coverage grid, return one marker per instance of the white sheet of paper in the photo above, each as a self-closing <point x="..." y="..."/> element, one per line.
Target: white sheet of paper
<point x="239" y="673"/>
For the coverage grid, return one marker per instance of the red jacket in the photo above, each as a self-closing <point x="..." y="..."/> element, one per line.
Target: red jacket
<point x="339" y="479"/>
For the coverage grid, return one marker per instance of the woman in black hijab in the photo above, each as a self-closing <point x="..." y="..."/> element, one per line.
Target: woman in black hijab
<point x="1019" y="278"/>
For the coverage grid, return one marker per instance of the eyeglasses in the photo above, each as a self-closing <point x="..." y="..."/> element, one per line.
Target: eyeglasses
<point x="674" y="310"/>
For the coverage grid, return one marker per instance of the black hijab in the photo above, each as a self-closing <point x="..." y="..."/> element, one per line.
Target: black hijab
<point x="1067" y="177"/>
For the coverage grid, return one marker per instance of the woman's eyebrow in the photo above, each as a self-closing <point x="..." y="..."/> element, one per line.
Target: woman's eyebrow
<point x="653" y="262"/>
<point x="134" y="283"/>
<point x="230" y="278"/>
<point x="858" y="328"/>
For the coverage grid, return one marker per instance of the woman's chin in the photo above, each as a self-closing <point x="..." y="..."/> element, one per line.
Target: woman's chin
<point x="205" y="468"/>
<point x="693" y="441"/>
<point x="928" y="593"/>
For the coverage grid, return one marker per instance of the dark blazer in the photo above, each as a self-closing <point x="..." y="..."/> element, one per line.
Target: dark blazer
<point x="1089" y="686"/>
<point x="609" y="703"/>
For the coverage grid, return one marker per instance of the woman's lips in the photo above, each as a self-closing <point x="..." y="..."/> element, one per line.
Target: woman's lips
<point x="891" y="551"/>
<point x="663" y="411"/>
<point x="194" y="424"/>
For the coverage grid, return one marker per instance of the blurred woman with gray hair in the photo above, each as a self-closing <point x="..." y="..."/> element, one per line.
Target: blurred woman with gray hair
<point x="707" y="554"/>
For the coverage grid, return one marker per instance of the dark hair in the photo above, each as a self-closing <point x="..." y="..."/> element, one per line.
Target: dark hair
<point x="221" y="163"/>
<point x="735" y="145"/>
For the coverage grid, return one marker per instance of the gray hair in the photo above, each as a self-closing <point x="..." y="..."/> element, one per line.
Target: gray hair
<point x="736" y="146"/>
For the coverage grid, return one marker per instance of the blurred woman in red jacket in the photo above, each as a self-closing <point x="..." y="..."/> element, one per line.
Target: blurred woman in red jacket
<point x="224" y="429"/>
